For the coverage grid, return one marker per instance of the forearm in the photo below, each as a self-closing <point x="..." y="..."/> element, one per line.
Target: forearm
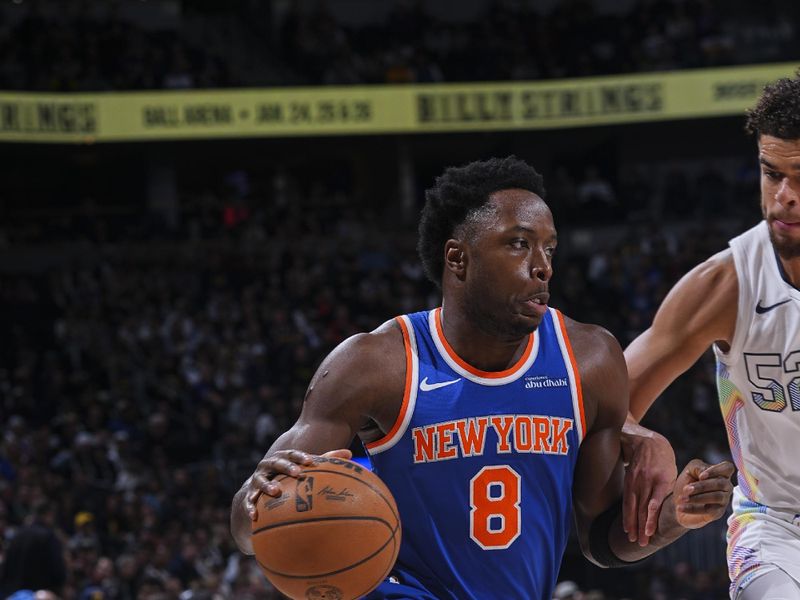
<point x="240" y="521"/>
<point x="640" y="400"/>
<point x="667" y="532"/>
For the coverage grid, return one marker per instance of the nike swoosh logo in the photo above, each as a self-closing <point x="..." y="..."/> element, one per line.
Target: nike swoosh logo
<point x="427" y="387"/>
<point x="763" y="309"/>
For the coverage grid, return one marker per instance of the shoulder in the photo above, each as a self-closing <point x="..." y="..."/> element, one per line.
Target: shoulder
<point x="602" y="370"/>
<point x="375" y="359"/>
<point x="703" y="305"/>
<point x="587" y="338"/>
<point x="376" y="347"/>
<point x="716" y="274"/>
<point x="717" y="269"/>
<point x="364" y="373"/>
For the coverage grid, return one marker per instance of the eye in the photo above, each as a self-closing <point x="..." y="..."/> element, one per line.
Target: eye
<point x="550" y="251"/>
<point x="773" y="175"/>
<point x="519" y="243"/>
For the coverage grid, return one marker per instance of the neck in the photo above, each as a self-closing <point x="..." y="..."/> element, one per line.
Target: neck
<point x="791" y="270"/>
<point x="479" y="348"/>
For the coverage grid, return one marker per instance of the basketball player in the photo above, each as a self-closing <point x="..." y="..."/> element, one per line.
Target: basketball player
<point x="742" y="301"/>
<point x="490" y="418"/>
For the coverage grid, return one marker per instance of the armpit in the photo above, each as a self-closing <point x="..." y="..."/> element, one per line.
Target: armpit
<point x="370" y="432"/>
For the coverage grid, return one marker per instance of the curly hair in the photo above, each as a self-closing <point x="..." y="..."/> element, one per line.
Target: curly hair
<point x="458" y="193"/>
<point x="777" y="112"/>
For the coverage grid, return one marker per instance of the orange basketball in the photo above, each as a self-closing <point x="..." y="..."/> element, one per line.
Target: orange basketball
<point x="334" y="534"/>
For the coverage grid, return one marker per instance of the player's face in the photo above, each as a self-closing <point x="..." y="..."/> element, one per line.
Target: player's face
<point x="511" y="264"/>
<point x="780" y="192"/>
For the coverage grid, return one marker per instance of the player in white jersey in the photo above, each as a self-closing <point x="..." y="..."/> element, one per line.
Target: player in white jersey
<point x="745" y="301"/>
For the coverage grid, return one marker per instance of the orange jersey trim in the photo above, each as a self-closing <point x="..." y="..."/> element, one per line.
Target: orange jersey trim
<point x="469" y="368"/>
<point x="574" y="363"/>
<point x="406" y="391"/>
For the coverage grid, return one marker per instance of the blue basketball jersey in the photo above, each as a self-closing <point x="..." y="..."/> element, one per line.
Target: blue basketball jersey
<point x="481" y="466"/>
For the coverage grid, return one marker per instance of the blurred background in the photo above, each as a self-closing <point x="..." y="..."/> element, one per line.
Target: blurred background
<point x="200" y="199"/>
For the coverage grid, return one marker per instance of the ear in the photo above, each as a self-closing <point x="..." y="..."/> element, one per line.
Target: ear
<point x="455" y="258"/>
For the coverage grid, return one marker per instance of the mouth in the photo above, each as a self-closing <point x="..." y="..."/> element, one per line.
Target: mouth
<point x="536" y="305"/>
<point x="785" y="224"/>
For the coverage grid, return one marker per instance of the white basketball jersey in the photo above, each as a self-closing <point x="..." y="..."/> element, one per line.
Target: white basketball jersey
<point x="758" y="379"/>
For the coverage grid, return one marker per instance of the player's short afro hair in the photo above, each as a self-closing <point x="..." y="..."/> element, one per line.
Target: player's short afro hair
<point x="457" y="192"/>
<point x="777" y="112"/>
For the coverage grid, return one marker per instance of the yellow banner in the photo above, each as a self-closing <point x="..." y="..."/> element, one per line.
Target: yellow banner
<point x="365" y="110"/>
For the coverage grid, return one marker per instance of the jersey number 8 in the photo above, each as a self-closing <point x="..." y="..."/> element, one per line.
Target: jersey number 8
<point x="494" y="518"/>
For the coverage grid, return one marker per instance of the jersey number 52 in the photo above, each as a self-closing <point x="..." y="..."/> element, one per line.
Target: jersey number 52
<point x="773" y="396"/>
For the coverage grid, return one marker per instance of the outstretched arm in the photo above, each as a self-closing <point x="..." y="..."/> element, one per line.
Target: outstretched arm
<point x="698" y="311"/>
<point x="360" y="380"/>
<point x="599" y="473"/>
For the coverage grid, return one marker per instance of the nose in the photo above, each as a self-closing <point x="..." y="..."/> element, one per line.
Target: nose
<point x="786" y="194"/>
<point x="542" y="269"/>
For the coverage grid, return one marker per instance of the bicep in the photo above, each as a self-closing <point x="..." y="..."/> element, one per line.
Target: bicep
<point x="599" y="472"/>
<point x="698" y="311"/>
<point x="317" y="432"/>
<point x="599" y="475"/>
<point x="655" y="359"/>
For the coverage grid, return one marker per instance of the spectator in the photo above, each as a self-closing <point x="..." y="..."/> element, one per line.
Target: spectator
<point x="34" y="567"/>
<point x="77" y="50"/>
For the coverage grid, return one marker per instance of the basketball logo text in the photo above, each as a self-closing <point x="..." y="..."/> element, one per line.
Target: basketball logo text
<point x="303" y="497"/>
<point x="330" y="493"/>
<point x="324" y="592"/>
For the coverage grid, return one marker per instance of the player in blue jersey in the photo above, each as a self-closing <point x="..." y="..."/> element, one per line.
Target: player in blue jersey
<point x="492" y="418"/>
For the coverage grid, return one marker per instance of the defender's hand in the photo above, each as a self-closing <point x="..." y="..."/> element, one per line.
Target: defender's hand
<point x="283" y="462"/>
<point x="649" y="474"/>
<point x="702" y="493"/>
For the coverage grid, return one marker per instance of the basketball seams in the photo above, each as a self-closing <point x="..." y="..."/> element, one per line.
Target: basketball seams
<point x="343" y="569"/>
<point x="394" y="554"/>
<point x="317" y="519"/>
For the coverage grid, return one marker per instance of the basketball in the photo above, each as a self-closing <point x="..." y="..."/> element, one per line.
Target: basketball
<point x="333" y="534"/>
